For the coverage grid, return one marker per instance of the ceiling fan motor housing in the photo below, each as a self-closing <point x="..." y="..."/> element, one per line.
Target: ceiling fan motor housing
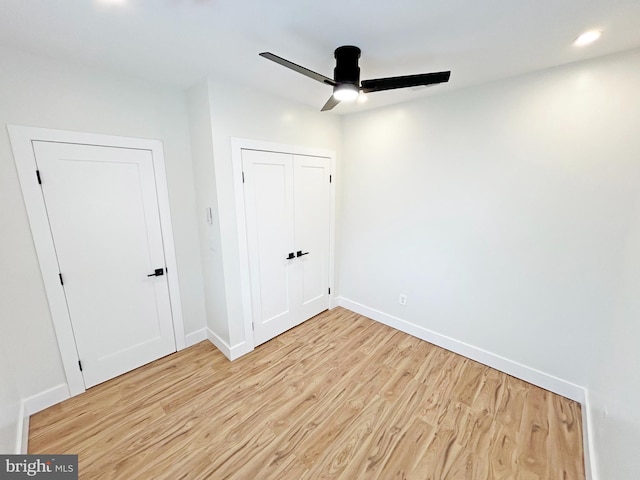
<point x="347" y="69"/>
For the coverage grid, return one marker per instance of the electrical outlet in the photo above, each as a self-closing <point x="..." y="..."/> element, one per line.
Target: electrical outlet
<point x="402" y="299"/>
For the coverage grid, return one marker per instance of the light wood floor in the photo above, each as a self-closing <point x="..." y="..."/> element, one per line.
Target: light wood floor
<point x="340" y="396"/>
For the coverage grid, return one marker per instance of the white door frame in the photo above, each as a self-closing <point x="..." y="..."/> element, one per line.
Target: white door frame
<point x="237" y="145"/>
<point x="21" y="142"/>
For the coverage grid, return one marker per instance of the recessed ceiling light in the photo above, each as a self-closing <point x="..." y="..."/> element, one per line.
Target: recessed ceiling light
<point x="587" y="37"/>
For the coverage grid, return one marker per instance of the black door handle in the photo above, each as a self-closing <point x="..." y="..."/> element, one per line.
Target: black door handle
<point x="157" y="273"/>
<point x="299" y="253"/>
<point x="291" y="256"/>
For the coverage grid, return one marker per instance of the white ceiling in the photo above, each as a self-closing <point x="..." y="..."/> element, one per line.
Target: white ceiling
<point x="179" y="42"/>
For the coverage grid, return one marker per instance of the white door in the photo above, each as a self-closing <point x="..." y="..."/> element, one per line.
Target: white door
<point x="269" y="212"/>
<point x="103" y="213"/>
<point x="312" y="203"/>
<point x="287" y="202"/>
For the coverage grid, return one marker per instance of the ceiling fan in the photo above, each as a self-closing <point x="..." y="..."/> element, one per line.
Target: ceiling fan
<point x="346" y="77"/>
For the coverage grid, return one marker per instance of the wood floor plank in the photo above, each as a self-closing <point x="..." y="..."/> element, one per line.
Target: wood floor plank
<point x="338" y="397"/>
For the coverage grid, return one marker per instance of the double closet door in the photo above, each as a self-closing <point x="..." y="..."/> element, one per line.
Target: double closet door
<point x="287" y="202"/>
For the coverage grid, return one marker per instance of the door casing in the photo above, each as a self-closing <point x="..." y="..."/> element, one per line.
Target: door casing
<point x="237" y="145"/>
<point x="21" y="142"/>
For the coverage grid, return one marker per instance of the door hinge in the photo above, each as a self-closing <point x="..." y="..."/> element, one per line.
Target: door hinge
<point x="38" y="175"/>
<point x="329" y="178"/>
<point x="242" y="177"/>
<point x="80" y="364"/>
<point x="61" y="282"/>
<point x="329" y="290"/>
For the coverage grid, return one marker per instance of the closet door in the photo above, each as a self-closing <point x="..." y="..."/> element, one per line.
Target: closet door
<point x="268" y="191"/>
<point x="287" y="204"/>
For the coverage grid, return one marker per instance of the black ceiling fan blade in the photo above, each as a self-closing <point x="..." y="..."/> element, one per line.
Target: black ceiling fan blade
<point x="297" y="68"/>
<point x="379" y="84"/>
<point x="332" y="102"/>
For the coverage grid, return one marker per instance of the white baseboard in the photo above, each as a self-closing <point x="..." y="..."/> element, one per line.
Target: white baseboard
<point x="196" y="337"/>
<point x="239" y="350"/>
<point x="46" y="399"/>
<point x="34" y="404"/>
<point x="531" y="375"/>
<point x="22" y="433"/>
<point x="219" y="343"/>
<point x="231" y="353"/>
<point x="588" y="428"/>
<point x="19" y="442"/>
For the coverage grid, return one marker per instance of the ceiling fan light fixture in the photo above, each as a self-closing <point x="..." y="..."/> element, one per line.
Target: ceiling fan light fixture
<point x="346" y="92"/>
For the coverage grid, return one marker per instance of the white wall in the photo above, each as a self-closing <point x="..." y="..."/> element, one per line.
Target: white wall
<point x="509" y="214"/>
<point x="207" y="197"/>
<point x="43" y="93"/>
<point x="241" y="112"/>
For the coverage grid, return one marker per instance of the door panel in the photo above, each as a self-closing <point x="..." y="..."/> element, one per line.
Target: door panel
<point x="269" y="213"/>
<point x="103" y="213"/>
<point x="312" y="232"/>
